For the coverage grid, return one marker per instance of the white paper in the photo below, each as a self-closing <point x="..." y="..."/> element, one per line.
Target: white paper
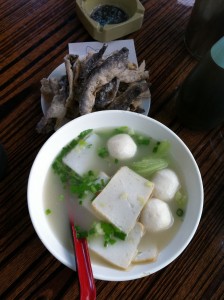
<point x="82" y="49"/>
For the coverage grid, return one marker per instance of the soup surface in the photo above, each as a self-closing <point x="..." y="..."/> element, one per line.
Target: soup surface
<point x="57" y="198"/>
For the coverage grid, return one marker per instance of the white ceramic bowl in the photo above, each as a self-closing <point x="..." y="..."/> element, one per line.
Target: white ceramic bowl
<point x="190" y="175"/>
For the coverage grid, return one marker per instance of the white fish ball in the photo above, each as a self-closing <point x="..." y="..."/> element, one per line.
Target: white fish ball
<point x="156" y="215"/>
<point x="121" y="146"/>
<point x="166" y="184"/>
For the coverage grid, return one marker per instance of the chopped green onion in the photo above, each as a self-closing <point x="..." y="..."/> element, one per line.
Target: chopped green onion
<point x="82" y="143"/>
<point x="109" y="232"/>
<point x="180" y="212"/>
<point x="103" y="152"/>
<point x="84" y="133"/>
<point x="141" y="140"/>
<point x="180" y="199"/>
<point x="155" y="149"/>
<point x="79" y="185"/>
<point x="81" y="234"/>
<point x="47" y="211"/>
<point x="122" y="129"/>
<point x="93" y="189"/>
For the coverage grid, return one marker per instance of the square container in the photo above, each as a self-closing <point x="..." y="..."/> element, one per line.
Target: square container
<point x="134" y="9"/>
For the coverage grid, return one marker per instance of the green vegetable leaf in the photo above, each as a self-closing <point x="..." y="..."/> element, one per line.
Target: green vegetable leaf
<point x="161" y="148"/>
<point x="148" y="166"/>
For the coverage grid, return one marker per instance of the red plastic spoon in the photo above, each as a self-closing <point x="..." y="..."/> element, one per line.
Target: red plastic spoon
<point x="83" y="263"/>
<point x="84" y="268"/>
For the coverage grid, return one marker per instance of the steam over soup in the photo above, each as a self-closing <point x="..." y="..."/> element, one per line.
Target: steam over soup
<point x="110" y="178"/>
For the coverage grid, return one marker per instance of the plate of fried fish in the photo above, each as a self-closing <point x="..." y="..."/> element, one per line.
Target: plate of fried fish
<point x="95" y="82"/>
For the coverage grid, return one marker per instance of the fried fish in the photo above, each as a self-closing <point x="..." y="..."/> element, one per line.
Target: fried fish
<point x="56" y="112"/>
<point x="124" y="101"/>
<point x="110" y="68"/>
<point x="107" y="93"/>
<point x="93" y="83"/>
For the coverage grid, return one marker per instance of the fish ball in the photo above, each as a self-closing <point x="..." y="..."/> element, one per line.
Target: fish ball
<point x="156" y="215"/>
<point x="121" y="146"/>
<point x="166" y="184"/>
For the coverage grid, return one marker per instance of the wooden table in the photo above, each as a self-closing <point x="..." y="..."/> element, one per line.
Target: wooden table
<point x="34" y="39"/>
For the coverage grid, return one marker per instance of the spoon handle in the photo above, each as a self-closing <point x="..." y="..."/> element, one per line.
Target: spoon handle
<point x="84" y="269"/>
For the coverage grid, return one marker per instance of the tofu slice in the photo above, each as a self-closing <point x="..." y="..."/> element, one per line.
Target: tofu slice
<point x="122" y="200"/>
<point x="84" y="157"/>
<point x="149" y="254"/>
<point x="121" y="253"/>
<point x="87" y="200"/>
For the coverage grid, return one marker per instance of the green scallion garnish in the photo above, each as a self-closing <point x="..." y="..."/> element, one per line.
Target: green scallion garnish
<point x="81" y="234"/>
<point x="47" y="211"/>
<point x="180" y="212"/>
<point x="103" y="152"/>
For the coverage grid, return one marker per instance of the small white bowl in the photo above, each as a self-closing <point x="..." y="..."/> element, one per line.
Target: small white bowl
<point x="189" y="172"/>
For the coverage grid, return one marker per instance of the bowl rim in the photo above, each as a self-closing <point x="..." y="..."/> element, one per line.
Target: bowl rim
<point x="99" y="273"/>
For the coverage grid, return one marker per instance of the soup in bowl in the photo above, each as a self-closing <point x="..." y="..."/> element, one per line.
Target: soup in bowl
<point x="133" y="187"/>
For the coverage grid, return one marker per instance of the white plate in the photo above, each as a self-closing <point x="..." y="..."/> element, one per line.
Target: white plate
<point x="60" y="71"/>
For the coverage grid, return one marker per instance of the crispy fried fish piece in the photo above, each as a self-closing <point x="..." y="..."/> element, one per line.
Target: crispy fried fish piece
<point x="57" y="110"/>
<point x="72" y="70"/>
<point x="49" y="87"/>
<point x="110" y="68"/>
<point x="124" y="101"/>
<point x="107" y="93"/>
<point x="133" y="75"/>
<point x="90" y="63"/>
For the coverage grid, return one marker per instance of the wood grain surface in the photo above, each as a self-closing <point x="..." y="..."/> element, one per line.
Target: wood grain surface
<point x="34" y="37"/>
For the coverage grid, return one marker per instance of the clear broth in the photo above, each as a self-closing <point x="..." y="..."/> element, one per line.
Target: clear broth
<point x="58" y="219"/>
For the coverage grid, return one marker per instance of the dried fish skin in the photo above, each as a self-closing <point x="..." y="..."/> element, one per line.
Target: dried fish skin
<point x="133" y="75"/>
<point x="70" y="62"/>
<point x="49" y="87"/>
<point x="46" y="90"/>
<point x="54" y="116"/>
<point x="72" y="71"/>
<point x="90" y="63"/>
<point x="45" y="126"/>
<point x="110" y="68"/>
<point x="107" y="93"/>
<point x="56" y="112"/>
<point x="124" y="101"/>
